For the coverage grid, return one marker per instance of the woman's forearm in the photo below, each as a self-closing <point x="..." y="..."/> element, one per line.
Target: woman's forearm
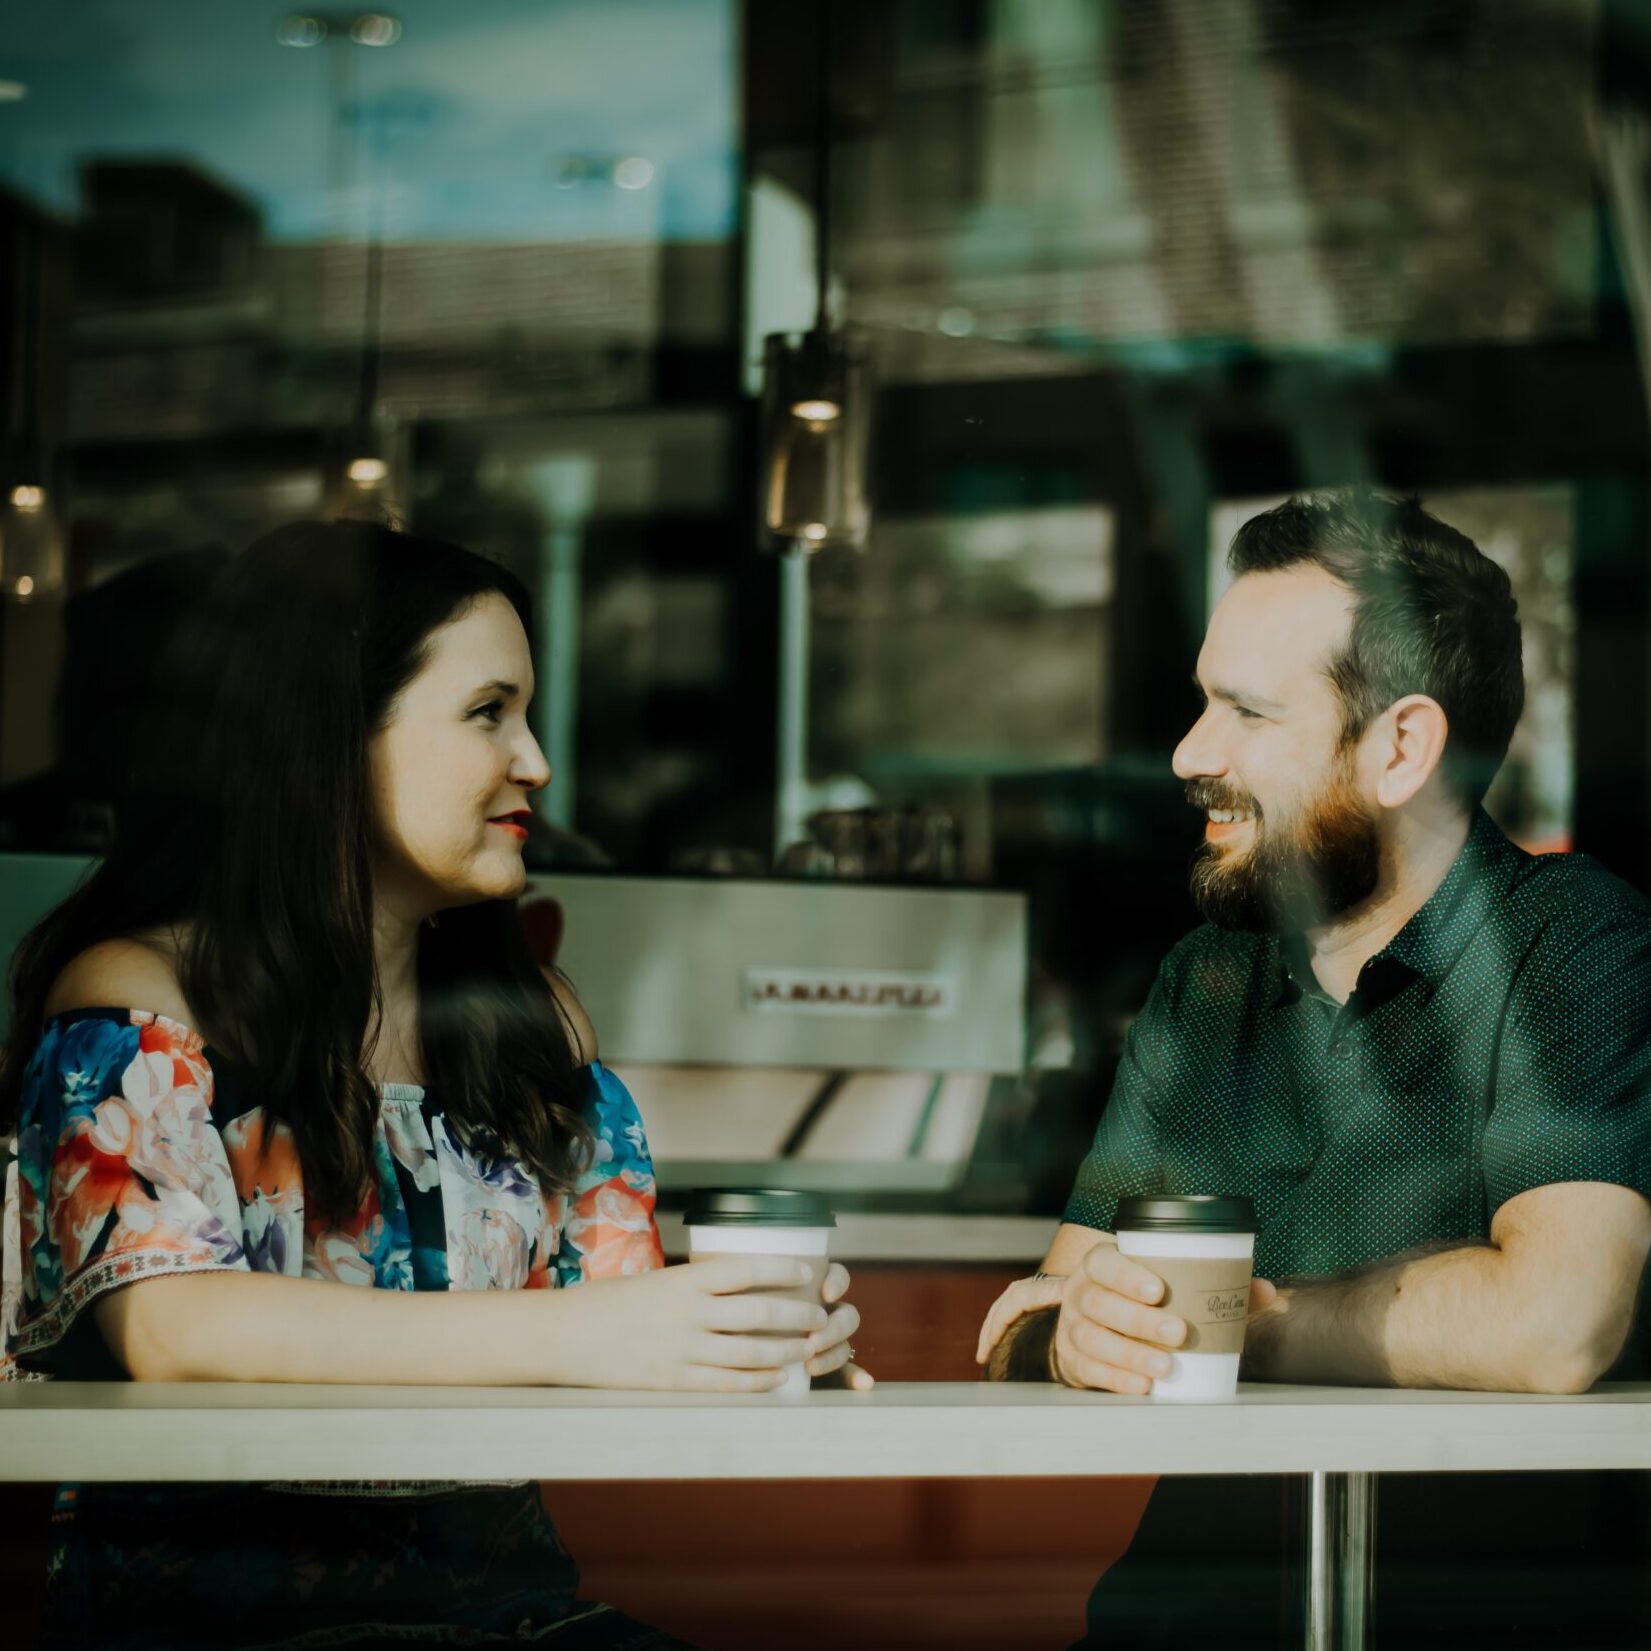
<point x="232" y="1326"/>
<point x="717" y="1327"/>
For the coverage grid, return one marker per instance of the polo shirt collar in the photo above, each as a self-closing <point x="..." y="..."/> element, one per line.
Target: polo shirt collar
<point x="1295" y="973"/>
<point x="1429" y="944"/>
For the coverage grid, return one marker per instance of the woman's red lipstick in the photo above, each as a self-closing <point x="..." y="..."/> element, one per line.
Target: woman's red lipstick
<point x="515" y="823"/>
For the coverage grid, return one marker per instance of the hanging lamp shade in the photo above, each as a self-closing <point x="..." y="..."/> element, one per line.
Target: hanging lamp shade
<point x="815" y="440"/>
<point x="364" y="473"/>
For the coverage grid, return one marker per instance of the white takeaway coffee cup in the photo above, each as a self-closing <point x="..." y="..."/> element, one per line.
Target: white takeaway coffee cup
<point x="765" y="1221"/>
<point x="1203" y="1248"/>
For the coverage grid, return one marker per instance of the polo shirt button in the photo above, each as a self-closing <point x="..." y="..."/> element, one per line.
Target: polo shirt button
<point x="1345" y="1049"/>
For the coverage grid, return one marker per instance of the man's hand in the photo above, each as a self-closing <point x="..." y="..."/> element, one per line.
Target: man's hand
<point x="1112" y="1335"/>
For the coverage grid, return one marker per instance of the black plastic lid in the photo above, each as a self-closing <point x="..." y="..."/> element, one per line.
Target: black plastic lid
<point x="1161" y="1213"/>
<point x="756" y="1207"/>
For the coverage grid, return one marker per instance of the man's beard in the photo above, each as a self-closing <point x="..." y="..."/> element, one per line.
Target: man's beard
<point x="1298" y="875"/>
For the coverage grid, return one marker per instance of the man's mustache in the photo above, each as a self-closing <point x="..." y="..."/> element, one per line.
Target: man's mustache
<point x="1207" y="794"/>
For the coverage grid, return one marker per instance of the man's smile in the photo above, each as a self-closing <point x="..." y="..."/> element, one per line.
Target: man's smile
<point x="1222" y="823"/>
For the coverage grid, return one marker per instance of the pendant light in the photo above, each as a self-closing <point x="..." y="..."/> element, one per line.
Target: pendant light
<point x="815" y="406"/>
<point x="32" y="562"/>
<point x="364" y="473"/>
<point x="363" y="464"/>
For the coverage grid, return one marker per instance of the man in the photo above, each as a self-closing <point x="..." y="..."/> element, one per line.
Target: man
<point x="1425" y="1054"/>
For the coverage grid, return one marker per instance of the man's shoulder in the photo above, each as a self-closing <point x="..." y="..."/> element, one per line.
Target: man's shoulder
<point x="1209" y="940"/>
<point x="1218" y="962"/>
<point x="1570" y="896"/>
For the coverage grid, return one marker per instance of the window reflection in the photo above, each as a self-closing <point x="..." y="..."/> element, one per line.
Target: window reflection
<point x="276" y="267"/>
<point x="1121" y="272"/>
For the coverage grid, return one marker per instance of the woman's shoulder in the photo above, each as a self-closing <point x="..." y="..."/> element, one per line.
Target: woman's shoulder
<point x="581" y="1034"/>
<point x="132" y="972"/>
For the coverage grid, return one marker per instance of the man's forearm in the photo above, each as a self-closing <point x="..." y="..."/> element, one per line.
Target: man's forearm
<point x="1025" y="1351"/>
<point x="1322" y="1330"/>
<point x="1461" y="1317"/>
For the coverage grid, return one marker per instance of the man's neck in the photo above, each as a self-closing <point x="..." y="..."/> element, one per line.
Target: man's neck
<point x="1416" y="861"/>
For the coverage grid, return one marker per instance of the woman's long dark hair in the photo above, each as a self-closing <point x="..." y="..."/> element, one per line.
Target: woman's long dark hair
<point x="245" y="830"/>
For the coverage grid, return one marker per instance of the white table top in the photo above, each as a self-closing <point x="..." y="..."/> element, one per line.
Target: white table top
<point x="972" y="1240"/>
<point x="89" y="1431"/>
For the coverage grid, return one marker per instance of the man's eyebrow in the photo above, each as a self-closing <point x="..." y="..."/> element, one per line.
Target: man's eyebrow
<point x="1235" y="696"/>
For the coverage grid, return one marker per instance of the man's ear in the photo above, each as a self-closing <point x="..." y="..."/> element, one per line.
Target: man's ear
<point x="1408" y="746"/>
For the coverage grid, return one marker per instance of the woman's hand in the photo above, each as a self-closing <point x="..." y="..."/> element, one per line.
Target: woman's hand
<point x="705" y="1327"/>
<point x="829" y="1351"/>
<point x="1025" y="1295"/>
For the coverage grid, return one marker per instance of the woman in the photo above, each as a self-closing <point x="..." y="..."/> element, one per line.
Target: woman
<point x="288" y="1041"/>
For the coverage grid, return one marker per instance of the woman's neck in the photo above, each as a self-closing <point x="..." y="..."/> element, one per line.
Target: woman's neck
<point x="395" y="954"/>
<point x="394" y="1048"/>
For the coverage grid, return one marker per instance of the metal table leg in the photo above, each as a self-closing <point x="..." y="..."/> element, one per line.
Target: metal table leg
<point x="1341" y="1540"/>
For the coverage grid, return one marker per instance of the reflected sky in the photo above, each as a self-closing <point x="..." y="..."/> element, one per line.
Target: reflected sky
<point x="489" y="120"/>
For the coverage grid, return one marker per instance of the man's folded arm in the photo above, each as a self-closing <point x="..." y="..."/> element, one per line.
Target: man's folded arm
<point x="1019" y="1332"/>
<point x="1547" y="1304"/>
<point x="1544" y="1307"/>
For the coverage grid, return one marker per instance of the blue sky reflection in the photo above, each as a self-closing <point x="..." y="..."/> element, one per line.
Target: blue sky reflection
<point x="468" y="123"/>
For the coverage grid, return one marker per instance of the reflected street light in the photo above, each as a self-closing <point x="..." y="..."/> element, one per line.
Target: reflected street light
<point x="375" y="28"/>
<point x="360" y="475"/>
<point x="628" y="172"/>
<point x="318" y="28"/>
<point x="304" y="30"/>
<point x="633" y="172"/>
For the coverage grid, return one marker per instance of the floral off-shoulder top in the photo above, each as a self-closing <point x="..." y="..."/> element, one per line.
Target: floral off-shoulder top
<point x="140" y="1154"/>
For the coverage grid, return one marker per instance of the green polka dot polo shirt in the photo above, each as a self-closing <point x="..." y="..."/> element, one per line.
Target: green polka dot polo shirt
<point x="1501" y="1041"/>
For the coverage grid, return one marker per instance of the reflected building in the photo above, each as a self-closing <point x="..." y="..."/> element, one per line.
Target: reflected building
<point x="210" y="369"/>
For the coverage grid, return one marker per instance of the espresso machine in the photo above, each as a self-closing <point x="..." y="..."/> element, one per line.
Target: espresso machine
<point x="823" y="1036"/>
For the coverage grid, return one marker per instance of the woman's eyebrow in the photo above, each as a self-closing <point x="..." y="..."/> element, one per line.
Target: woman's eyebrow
<point x="505" y="690"/>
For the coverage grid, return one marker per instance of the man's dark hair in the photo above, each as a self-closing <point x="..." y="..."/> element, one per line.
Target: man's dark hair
<point x="1434" y="615"/>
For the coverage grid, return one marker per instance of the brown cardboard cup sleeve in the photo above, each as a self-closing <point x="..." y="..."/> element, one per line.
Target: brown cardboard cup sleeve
<point x="1212" y="1295"/>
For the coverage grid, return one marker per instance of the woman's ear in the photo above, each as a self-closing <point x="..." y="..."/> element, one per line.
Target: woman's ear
<point x="1410" y="746"/>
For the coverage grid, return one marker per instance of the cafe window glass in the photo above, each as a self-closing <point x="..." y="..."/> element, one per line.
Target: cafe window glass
<point x="470" y="265"/>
